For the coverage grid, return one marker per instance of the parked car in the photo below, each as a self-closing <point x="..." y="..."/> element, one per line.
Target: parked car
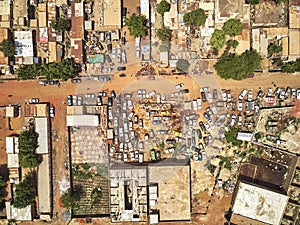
<point x="240" y="120"/>
<point x="53" y="82"/>
<point x="298" y="93"/>
<point x="293" y="93"/>
<point x="243" y="94"/>
<point x="113" y="94"/>
<point x="215" y="94"/>
<point x="229" y="99"/>
<point x="107" y="70"/>
<point x="34" y="100"/>
<point x="199" y="133"/>
<point x="178" y="86"/>
<point x="203" y="96"/>
<point x="224" y="95"/>
<point x="199" y="103"/>
<point x="43" y="82"/>
<point x="206" y="116"/>
<point x="232" y="122"/>
<point x="201" y="125"/>
<point x="76" y="81"/>
<point x="70" y="102"/>
<point x="184" y="91"/>
<point x="121" y="68"/>
<point x="240" y="105"/>
<point x="260" y="94"/>
<point x="51" y="111"/>
<point x="270" y="91"/>
<point x="250" y="96"/>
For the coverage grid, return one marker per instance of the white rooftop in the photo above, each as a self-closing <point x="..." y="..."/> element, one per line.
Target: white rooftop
<point x="44" y="194"/>
<point x="12" y="144"/>
<point x="13" y="160"/>
<point x="41" y="127"/>
<point x="24" y="43"/>
<point x="82" y="120"/>
<point x="244" y="136"/>
<point x="24" y="214"/>
<point x="153" y="218"/>
<point x="259" y="204"/>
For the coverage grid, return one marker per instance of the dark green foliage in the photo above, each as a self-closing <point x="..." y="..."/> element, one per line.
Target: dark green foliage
<point x="136" y="25"/>
<point x="81" y="172"/>
<point x="61" y="24"/>
<point x="274" y="48"/>
<point x="163" y="7"/>
<point x="2" y="192"/>
<point x="164" y="34"/>
<point x="182" y="65"/>
<point x="96" y="194"/>
<point x="25" y="192"/>
<point x="27" y="147"/>
<point x="164" y="47"/>
<point x="226" y="161"/>
<point x="232" y="43"/>
<point x="195" y="18"/>
<point x="8" y="48"/>
<point x="233" y="27"/>
<point x="258" y="136"/>
<point x="71" y="198"/>
<point x="252" y="1"/>
<point x="62" y="70"/>
<point x="231" y="136"/>
<point x="238" y="67"/>
<point x="218" y="39"/>
<point x="288" y="67"/>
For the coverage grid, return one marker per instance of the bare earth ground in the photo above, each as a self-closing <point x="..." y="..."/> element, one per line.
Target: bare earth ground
<point x="22" y="91"/>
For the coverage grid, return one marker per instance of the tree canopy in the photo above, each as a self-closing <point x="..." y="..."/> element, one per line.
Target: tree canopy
<point x="164" y="47"/>
<point x="2" y="192"/>
<point x="136" y="25"/>
<point x="27" y="147"/>
<point x="71" y="198"/>
<point x="25" y="192"/>
<point x="61" y="24"/>
<point x="195" y="18"/>
<point x="218" y="39"/>
<point x="232" y="43"/>
<point x="274" y="48"/>
<point x="163" y="7"/>
<point x="182" y="65"/>
<point x="62" y="70"/>
<point x="8" y="48"/>
<point x="164" y="34"/>
<point x="233" y="27"/>
<point x="252" y="1"/>
<point x="231" y="136"/>
<point x="238" y="67"/>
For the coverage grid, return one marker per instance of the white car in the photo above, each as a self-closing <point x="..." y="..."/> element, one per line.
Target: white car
<point x="232" y="122"/>
<point x="250" y="96"/>
<point x="298" y="93"/>
<point x="163" y="98"/>
<point x="34" y="100"/>
<point x="293" y="93"/>
<point x="195" y="105"/>
<point x="51" y="111"/>
<point x="209" y="97"/>
<point x="240" y="120"/>
<point x="199" y="103"/>
<point x="243" y="94"/>
<point x="240" y="105"/>
<point x="228" y="96"/>
<point x="178" y="86"/>
<point x="282" y="94"/>
<point x="277" y="92"/>
<point x="224" y="95"/>
<point x="270" y="91"/>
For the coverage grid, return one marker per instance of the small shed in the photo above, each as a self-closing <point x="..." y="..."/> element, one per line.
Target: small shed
<point x="244" y="136"/>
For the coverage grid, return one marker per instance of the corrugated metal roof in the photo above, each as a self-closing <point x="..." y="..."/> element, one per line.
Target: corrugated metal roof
<point x="82" y="120"/>
<point x="41" y="127"/>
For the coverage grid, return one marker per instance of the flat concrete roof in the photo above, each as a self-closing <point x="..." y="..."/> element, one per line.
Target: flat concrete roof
<point x="82" y="120"/>
<point x="4" y="8"/>
<point x="259" y="204"/>
<point x="24" y="214"/>
<point x="112" y="13"/>
<point x="294" y="46"/>
<point x="24" y="43"/>
<point x="44" y="193"/>
<point x="13" y="160"/>
<point x="41" y="127"/>
<point x="174" y="198"/>
<point x="294" y="13"/>
<point x="12" y="144"/>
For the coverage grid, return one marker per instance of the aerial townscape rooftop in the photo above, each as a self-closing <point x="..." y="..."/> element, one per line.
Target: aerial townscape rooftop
<point x="150" y="112"/>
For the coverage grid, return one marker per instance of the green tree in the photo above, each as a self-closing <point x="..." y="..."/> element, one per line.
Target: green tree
<point x="274" y="48"/>
<point x="218" y="39"/>
<point x="238" y="67"/>
<point x="231" y="136"/>
<point x="164" y="47"/>
<point x="233" y="27"/>
<point x="71" y="198"/>
<point x="164" y="34"/>
<point x="288" y="67"/>
<point x="136" y="25"/>
<point x="25" y="192"/>
<point x="182" y="65"/>
<point x="232" y="43"/>
<point x="195" y="18"/>
<point x="8" y="48"/>
<point x="61" y="24"/>
<point x="254" y="2"/>
<point x="27" y="147"/>
<point x="163" y="7"/>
